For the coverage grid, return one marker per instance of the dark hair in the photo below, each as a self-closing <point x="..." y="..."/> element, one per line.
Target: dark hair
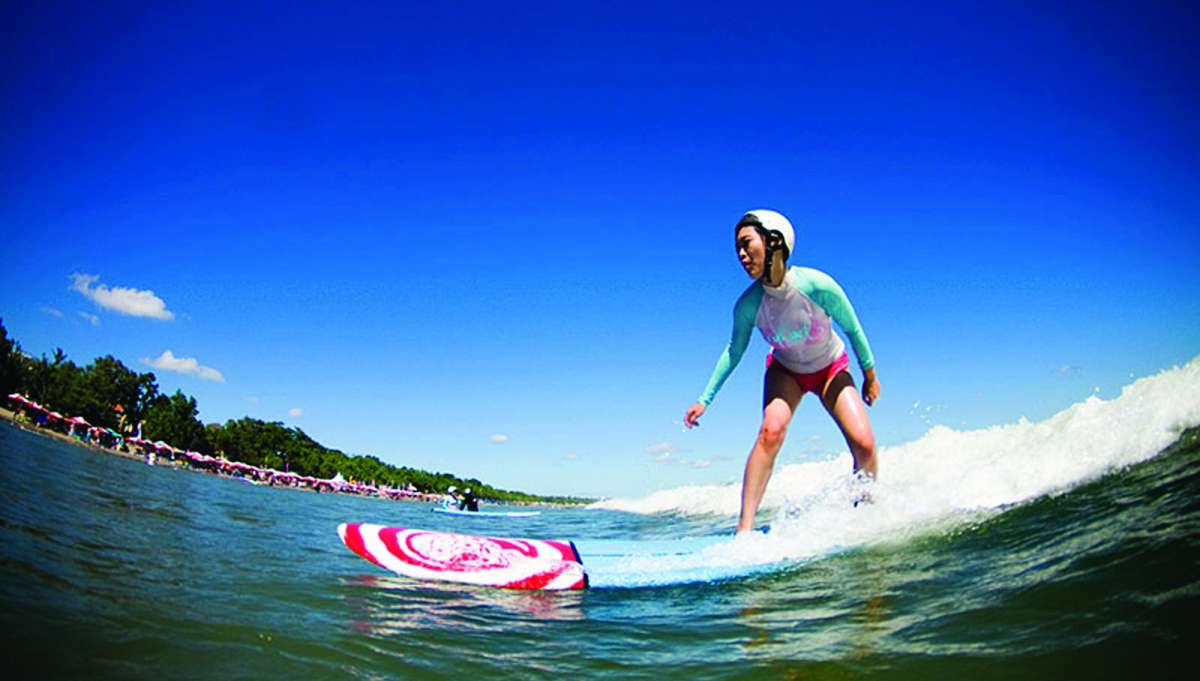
<point x="749" y="220"/>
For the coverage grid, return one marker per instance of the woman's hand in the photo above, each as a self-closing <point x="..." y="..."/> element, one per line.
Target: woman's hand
<point x="692" y="418"/>
<point x="870" y="389"/>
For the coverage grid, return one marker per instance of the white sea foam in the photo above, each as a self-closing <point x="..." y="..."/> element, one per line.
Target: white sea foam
<point x="945" y="478"/>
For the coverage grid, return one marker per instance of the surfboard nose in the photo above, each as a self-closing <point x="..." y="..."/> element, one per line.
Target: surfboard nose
<point x="539" y="564"/>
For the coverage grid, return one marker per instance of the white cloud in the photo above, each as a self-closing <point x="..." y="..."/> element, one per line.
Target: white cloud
<point x="498" y="439"/>
<point x="184" y="365"/>
<point x="295" y="412"/>
<point x="571" y="456"/>
<point x="126" y="301"/>
<point x="52" y="311"/>
<point x="91" y="318"/>
<point x="668" y="454"/>
<point x="250" y="398"/>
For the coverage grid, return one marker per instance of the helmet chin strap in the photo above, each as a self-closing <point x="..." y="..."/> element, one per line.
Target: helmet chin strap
<point x="773" y="242"/>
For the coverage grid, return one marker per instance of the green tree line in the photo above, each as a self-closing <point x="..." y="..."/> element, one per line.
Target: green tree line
<point x="110" y="395"/>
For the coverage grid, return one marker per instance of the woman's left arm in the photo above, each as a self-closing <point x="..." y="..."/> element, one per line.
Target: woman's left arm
<point x="870" y="389"/>
<point x="829" y="295"/>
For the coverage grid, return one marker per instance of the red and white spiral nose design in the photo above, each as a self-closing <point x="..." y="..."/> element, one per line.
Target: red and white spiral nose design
<point x="485" y="561"/>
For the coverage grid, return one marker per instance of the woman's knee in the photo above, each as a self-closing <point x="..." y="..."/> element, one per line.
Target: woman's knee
<point x="863" y="444"/>
<point x="773" y="432"/>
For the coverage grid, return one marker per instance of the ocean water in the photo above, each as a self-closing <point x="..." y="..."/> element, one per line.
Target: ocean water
<point x="1067" y="548"/>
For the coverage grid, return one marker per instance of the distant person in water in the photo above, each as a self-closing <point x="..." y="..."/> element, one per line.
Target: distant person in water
<point x="469" y="501"/>
<point x="794" y="309"/>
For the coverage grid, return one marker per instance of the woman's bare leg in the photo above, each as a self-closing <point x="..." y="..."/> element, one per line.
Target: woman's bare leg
<point x="845" y="405"/>
<point x="781" y="396"/>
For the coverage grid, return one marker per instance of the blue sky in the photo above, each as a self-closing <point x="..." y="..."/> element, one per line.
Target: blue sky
<point x="497" y="241"/>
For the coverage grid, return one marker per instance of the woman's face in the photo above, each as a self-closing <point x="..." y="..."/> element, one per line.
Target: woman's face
<point x="751" y="251"/>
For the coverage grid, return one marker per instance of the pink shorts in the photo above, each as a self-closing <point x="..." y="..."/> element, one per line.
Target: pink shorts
<point x="816" y="381"/>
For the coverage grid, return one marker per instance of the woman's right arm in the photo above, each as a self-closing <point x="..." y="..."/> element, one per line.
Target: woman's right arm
<point x="744" y="313"/>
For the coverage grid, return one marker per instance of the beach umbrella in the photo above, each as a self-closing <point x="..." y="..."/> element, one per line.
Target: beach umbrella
<point x="78" y="420"/>
<point x="55" y="415"/>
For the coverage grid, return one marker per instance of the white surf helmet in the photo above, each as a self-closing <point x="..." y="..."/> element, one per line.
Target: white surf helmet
<point x="776" y="231"/>
<point x="450" y="489"/>
<point x="775" y="228"/>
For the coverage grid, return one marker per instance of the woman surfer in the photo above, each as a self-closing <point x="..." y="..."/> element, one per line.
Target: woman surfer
<point x="793" y="308"/>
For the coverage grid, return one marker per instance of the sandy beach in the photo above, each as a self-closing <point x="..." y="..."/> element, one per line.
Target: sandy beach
<point x="29" y="426"/>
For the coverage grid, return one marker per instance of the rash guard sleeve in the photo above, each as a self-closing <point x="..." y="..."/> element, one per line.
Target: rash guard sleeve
<point x="824" y="291"/>
<point x="744" y="312"/>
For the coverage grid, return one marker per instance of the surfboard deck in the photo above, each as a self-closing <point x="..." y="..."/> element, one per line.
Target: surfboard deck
<point x="547" y="564"/>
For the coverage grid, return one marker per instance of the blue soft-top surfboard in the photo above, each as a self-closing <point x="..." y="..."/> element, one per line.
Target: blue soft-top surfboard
<point x="511" y="563"/>
<point x="628" y="563"/>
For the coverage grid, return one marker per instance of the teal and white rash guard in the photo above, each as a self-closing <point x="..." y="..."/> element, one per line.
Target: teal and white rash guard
<point x="795" y="319"/>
